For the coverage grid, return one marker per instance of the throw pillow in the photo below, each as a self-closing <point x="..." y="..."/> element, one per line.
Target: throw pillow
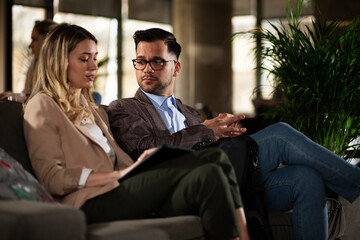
<point x="17" y="183"/>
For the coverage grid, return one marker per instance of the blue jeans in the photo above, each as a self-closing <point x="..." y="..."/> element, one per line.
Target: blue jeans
<point x="299" y="185"/>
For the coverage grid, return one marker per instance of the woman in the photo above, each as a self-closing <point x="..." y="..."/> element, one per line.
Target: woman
<point x="38" y="34"/>
<point x="75" y="156"/>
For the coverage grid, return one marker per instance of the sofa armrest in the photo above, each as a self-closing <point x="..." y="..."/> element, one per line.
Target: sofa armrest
<point x="21" y="219"/>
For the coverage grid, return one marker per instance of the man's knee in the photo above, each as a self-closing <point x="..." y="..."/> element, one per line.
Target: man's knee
<point x="283" y="127"/>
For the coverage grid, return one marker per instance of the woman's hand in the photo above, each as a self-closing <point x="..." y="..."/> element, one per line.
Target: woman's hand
<point x="146" y="153"/>
<point x="98" y="179"/>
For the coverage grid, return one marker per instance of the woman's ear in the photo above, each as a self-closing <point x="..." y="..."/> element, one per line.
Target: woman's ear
<point x="177" y="69"/>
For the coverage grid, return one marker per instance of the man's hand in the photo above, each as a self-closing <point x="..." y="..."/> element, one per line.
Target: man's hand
<point x="225" y="125"/>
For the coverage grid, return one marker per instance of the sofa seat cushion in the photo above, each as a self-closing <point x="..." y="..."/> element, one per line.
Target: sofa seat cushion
<point x="20" y="219"/>
<point x="174" y="228"/>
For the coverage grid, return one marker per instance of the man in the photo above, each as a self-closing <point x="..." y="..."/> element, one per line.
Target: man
<point x="145" y="121"/>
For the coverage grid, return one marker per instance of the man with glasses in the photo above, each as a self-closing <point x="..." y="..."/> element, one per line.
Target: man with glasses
<point x="159" y="88"/>
<point x="154" y="117"/>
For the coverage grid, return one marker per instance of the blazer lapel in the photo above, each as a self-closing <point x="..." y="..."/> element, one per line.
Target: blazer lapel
<point x="105" y="129"/>
<point x="188" y="116"/>
<point x="153" y="114"/>
<point x="78" y="126"/>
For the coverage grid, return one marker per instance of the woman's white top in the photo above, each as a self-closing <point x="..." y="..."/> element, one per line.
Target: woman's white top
<point x="95" y="132"/>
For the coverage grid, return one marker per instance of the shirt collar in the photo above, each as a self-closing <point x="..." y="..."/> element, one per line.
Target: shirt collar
<point x="157" y="100"/>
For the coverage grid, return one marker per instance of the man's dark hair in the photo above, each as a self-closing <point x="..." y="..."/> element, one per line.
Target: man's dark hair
<point x="155" y="34"/>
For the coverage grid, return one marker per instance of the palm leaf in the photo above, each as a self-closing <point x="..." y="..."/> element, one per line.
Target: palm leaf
<point x="318" y="70"/>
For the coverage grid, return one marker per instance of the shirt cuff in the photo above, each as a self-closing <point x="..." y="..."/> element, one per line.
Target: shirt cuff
<point x="84" y="176"/>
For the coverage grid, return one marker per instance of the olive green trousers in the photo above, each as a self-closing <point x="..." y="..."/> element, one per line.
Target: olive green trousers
<point x="201" y="182"/>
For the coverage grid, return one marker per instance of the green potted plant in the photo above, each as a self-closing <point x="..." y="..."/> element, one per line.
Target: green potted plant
<point x="317" y="68"/>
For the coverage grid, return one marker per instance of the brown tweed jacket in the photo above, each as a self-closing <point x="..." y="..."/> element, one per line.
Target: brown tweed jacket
<point x="137" y="126"/>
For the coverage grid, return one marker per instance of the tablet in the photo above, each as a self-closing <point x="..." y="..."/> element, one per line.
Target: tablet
<point x="163" y="153"/>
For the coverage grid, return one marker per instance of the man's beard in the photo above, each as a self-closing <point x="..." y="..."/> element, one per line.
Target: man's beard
<point x="156" y="88"/>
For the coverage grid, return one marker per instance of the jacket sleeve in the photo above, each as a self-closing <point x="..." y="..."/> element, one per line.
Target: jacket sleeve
<point x="42" y="120"/>
<point x="135" y="130"/>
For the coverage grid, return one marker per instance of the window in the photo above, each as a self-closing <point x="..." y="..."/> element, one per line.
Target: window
<point x="243" y="64"/>
<point x="23" y="22"/>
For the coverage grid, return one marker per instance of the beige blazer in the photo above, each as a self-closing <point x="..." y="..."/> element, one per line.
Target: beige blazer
<point x="59" y="150"/>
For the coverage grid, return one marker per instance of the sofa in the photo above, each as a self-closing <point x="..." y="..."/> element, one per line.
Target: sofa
<point x="24" y="219"/>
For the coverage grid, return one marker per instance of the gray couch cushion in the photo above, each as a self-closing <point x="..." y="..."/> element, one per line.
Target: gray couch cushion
<point x="352" y="218"/>
<point x="21" y="219"/>
<point x="174" y="228"/>
<point x="17" y="183"/>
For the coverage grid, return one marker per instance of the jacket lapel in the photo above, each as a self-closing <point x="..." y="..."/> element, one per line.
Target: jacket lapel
<point x="120" y="154"/>
<point x="153" y="114"/>
<point x="78" y="126"/>
<point x="188" y="116"/>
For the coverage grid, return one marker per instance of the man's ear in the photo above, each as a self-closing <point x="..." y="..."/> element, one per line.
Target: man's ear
<point x="177" y="69"/>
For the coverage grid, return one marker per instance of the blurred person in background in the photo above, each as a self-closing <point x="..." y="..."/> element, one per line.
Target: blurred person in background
<point x="38" y="34"/>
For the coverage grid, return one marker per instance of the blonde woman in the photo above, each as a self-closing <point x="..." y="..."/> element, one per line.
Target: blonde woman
<point x="76" y="158"/>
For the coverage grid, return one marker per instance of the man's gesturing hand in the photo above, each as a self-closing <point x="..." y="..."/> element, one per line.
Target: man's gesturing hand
<point x="225" y="125"/>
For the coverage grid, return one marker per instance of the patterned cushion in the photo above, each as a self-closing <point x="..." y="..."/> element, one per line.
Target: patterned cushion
<point x="17" y="183"/>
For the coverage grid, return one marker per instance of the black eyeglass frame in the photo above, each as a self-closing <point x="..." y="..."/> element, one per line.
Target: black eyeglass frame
<point x="151" y="61"/>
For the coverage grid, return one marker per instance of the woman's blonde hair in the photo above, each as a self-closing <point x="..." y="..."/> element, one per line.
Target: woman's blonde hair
<point x="53" y="66"/>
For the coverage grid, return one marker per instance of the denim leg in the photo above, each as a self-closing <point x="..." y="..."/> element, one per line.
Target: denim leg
<point x="301" y="189"/>
<point x="282" y="144"/>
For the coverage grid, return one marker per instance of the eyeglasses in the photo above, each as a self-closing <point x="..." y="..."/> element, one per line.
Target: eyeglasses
<point x="155" y="64"/>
